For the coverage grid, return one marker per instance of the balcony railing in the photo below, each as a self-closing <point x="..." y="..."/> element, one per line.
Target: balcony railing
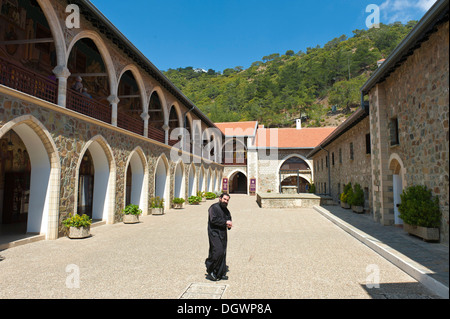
<point x="28" y="82"/>
<point x="156" y="134"/>
<point x="130" y="123"/>
<point x="82" y="104"/>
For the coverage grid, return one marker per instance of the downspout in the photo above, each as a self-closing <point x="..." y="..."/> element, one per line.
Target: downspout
<point x="329" y="170"/>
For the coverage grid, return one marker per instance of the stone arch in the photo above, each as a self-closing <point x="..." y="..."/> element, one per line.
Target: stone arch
<point x="201" y="179"/>
<point x="104" y="52"/>
<point x="242" y="184"/>
<point x="163" y="101"/>
<point x="43" y="212"/>
<point x="104" y="186"/>
<point x="305" y="177"/>
<point x="162" y="179"/>
<point x="140" y="82"/>
<point x="179" y="188"/>
<point x="192" y="183"/>
<point x="139" y="179"/>
<point x="174" y="115"/>
<point x="197" y="145"/>
<point x="398" y="184"/>
<point x="56" y="30"/>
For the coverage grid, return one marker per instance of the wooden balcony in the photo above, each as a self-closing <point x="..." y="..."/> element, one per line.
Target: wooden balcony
<point x="156" y="134"/>
<point x="28" y="82"/>
<point x="82" y="104"/>
<point x="130" y="123"/>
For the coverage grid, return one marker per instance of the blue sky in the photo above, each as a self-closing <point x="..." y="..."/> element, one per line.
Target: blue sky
<point x="220" y="34"/>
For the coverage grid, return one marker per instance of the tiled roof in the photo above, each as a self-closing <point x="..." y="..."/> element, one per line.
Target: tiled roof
<point x="291" y="137"/>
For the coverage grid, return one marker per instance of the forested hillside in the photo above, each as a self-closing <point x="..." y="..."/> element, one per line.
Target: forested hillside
<point x="281" y="88"/>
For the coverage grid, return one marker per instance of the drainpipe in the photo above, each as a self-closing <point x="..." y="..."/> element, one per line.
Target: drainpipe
<point x="329" y="170"/>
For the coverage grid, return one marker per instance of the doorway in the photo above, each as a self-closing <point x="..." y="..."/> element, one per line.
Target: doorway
<point x="238" y="184"/>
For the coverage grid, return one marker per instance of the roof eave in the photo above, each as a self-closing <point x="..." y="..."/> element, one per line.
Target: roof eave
<point x="426" y="24"/>
<point x="145" y="60"/>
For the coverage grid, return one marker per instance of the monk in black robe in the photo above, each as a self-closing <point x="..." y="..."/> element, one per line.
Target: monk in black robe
<point x="219" y="222"/>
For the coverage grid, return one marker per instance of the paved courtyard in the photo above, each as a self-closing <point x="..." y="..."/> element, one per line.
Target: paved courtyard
<point x="272" y="254"/>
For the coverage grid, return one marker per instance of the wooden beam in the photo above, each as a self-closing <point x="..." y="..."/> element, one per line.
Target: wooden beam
<point x="27" y="41"/>
<point x="128" y="96"/>
<point x="87" y="75"/>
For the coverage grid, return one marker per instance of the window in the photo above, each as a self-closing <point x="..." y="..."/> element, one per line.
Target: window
<point x="332" y="158"/>
<point x="393" y="128"/>
<point x="340" y="156"/>
<point x="326" y="161"/>
<point x="368" y="145"/>
<point x="351" y="151"/>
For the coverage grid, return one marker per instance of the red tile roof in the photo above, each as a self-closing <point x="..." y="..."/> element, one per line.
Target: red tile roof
<point x="291" y="137"/>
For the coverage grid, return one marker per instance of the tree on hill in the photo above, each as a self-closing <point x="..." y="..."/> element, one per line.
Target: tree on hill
<point x="279" y="89"/>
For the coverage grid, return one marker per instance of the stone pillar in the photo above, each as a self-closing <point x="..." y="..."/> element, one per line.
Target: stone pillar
<point x="382" y="183"/>
<point x="62" y="74"/>
<point x="145" y="117"/>
<point x="114" y="101"/>
<point x="166" y="133"/>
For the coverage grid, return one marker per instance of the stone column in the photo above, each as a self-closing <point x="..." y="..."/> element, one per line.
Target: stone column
<point x="114" y="101"/>
<point x="381" y="177"/>
<point x="166" y="133"/>
<point x="145" y="117"/>
<point x="62" y="74"/>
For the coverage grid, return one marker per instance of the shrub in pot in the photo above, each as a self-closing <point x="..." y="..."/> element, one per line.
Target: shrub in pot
<point x="157" y="206"/>
<point x="420" y="212"/>
<point x="346" y="194"/>
<point x="202" y="195"/>
<point x="178" y="202"/>
<point x="356" y="200"/>
<point x="210" y="196"/>
<point x="131" y="214"/>
<point x="194" y="200"/>
<point x="79" y="226"/>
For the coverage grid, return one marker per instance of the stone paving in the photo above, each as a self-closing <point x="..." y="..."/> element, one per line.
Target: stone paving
<point x="272" y="254"/>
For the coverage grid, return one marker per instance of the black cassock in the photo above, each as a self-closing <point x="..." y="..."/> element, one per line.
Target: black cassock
<point x="218" y="239"/>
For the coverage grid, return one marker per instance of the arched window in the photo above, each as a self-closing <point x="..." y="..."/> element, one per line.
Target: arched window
<point x="28" y="53"/>
<point x="88" y="85"/>
<point x="156" y="121"/>
<point x="130" y="105"/>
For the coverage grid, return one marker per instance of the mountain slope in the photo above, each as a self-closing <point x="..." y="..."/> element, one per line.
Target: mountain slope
<point x="281" y="88"/>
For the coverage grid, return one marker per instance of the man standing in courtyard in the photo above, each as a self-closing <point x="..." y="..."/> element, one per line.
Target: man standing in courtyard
<point x="219" y="222"/>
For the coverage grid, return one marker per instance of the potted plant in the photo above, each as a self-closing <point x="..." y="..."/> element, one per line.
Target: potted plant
<point x="79" y="226"/>
<point x="157" y="206"/>
<point x="178" y="203"/>
<point x="357" y="199"/>
<point x="420" y="213"/>
<point x="348" y="190"/>
<point x="202" y="195"/>
<point x="194" y="200"/>
<point x="210" y="196"/>
<point x="131" y="214"/>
